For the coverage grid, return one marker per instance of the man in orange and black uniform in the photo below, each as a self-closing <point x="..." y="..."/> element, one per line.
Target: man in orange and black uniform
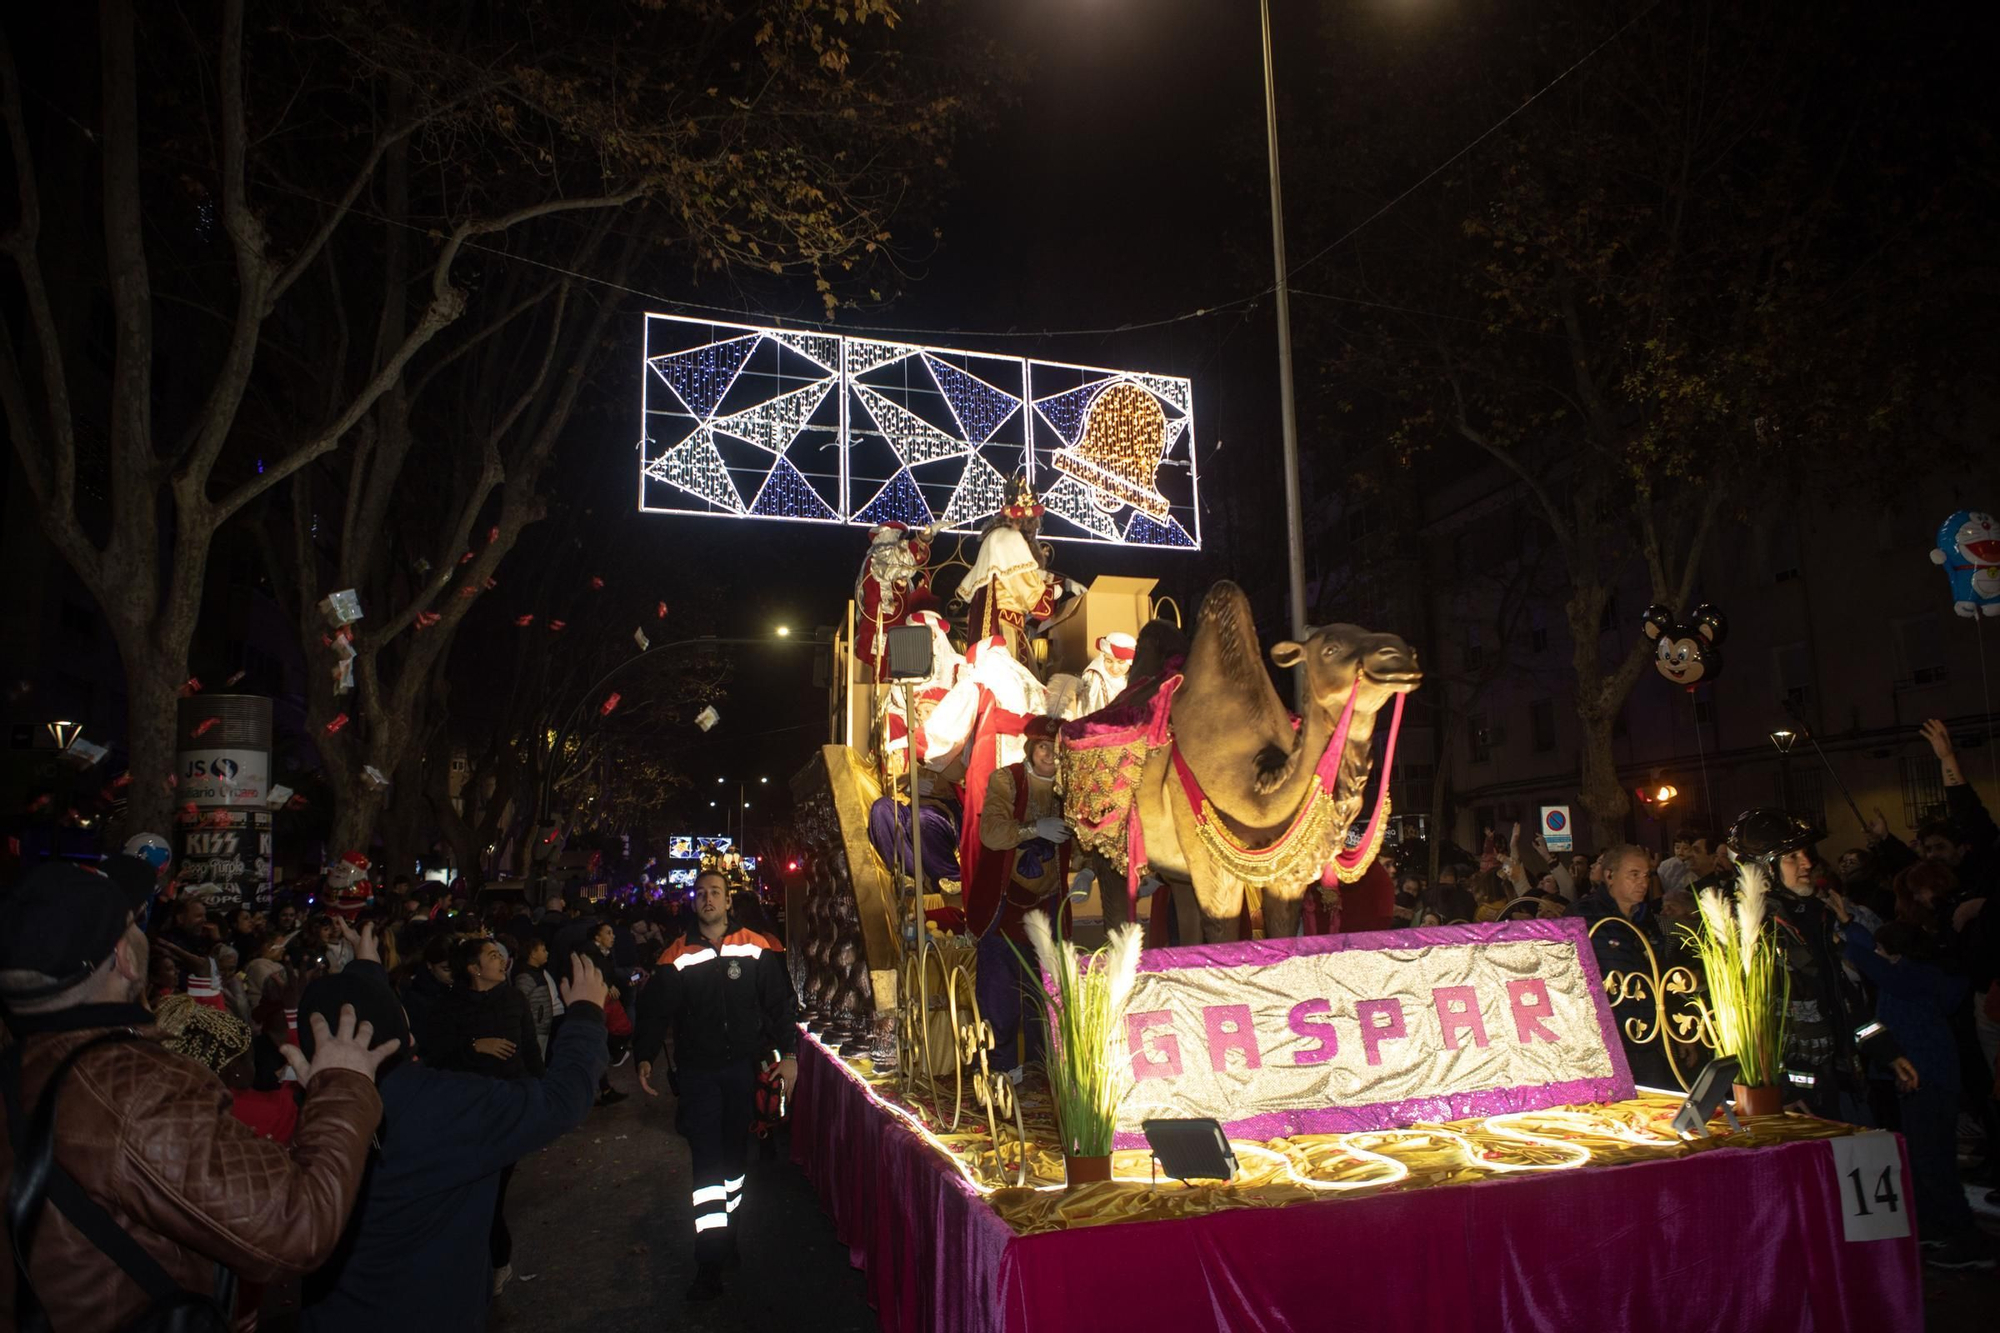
<point x="720" y="1003"/>
<point x="1022" y="867"/>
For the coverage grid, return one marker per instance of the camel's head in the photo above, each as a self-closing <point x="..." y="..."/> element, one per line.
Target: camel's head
<point x="1340" y="658"/>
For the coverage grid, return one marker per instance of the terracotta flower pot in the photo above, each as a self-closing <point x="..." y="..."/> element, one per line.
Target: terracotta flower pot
<point x="1762" y="1100"/>
<point x="1086" y="1170"/>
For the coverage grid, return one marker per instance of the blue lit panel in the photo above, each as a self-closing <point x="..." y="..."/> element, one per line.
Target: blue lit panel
<point x="755" y="423"/>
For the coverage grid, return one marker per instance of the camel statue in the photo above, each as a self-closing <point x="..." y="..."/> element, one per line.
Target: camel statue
<point x="1241" y="796"/>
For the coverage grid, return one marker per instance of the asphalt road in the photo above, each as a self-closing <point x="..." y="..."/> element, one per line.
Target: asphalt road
<point x="604" y="1237"/>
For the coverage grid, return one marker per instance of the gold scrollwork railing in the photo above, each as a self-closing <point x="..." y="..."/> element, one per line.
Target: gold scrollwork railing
<point x="942" y="1052"/>
<point x="1679" y="1016"/>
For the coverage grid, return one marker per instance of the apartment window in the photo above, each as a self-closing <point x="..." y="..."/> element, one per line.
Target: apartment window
<point x="1791" y="667"/>
<point x="1923" y="787"/>
<point x="1542" y="724"/>
<point x="1475" y="652"/>
<point x="1538" y="638"/>
<point x="1410" y="789"/>
<point x="1919" y="642"/>
<point x="1704" y="709"/>
<point x="1479" y="737"/>
<point x="77" y="620"/>
<point x="1801" y="793"/>
<point x="1783" y="548"/>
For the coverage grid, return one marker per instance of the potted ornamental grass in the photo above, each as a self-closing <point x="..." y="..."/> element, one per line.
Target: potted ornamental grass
<point x="1086" y="1016"/>
<point x="1749" y="990"/>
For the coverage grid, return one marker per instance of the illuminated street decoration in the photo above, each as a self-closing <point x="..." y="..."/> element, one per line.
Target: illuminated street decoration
<point x="1124" y="435"/>
<point x="783" y="424"/>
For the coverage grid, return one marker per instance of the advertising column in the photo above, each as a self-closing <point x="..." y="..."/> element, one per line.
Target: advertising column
<point x="225" y="789"/>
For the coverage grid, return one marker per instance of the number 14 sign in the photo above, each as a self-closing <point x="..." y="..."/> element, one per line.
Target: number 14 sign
<point x="1868" y="1168"/>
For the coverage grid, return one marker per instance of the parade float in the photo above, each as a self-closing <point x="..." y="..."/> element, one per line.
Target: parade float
<point x="1430" y="1127"/>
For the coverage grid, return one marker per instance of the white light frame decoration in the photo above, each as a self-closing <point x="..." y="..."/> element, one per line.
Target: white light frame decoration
<point x="741" y="421"/>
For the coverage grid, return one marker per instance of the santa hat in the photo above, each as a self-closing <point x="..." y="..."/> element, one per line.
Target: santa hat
<point x="351" y="868"/>
<point x="929" y="619"/>
<point x="1120" y="646"/>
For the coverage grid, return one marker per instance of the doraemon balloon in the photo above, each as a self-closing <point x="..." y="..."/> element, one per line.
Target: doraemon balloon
<point x="1686" y="654"/>
<point x="1968" y="546"/>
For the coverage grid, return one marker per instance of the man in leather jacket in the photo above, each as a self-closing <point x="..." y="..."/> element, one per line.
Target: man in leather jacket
<point x="146" y="1135"/>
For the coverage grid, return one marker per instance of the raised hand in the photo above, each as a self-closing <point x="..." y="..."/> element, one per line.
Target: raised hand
<point x="345" y="1048"/>
<point x="585" y="984"/>
<point x="497" y="1047"/>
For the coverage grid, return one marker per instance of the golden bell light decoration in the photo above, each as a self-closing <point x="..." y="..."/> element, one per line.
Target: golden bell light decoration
<point x="1124" y="435"/>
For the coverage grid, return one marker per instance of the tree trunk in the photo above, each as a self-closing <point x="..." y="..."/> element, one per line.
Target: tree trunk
<point x="152" y="701"/>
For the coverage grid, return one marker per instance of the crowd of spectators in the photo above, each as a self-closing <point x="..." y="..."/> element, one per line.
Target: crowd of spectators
<point x="1893" y="959"/>
<point x="334" y="1157"/>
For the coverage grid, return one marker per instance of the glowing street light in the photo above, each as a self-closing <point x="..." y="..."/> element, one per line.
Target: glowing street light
<point x="784" y="631"/>
<point x="1784" y="738"/>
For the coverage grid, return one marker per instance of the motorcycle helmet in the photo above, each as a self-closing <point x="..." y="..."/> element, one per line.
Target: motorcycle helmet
<point x="1765" y="835"/>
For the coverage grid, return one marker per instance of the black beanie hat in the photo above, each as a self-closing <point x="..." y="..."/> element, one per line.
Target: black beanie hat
<point x="373" y="1003"/>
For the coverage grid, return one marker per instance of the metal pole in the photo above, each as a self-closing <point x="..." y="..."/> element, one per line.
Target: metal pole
<point x="916" y="811"/>
<point x="1295" y="541"/>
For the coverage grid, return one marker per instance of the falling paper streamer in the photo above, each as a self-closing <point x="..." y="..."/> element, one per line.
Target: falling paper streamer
<point x="610" y="703"/>
<point x="335" y="723"/>
<point x="596" y="583"/>
<point x="425" y="619"/>
<point x="466" y="559"/>
<point x="341" y="608"/>
<point x="468" y="591"/>
<point x="707" y="717"/>
<point x="373" y="777"/>
<point x="233" y="678"/>
<point x="85" y="755"/>
<point x="296" y="803"/>
<point x="639" y="637"/>
<point x="121" y="782"/>
<point x="192" y="688"/>
<point x="661" y="614"/>
<point x="203" y="727"/>
<point x="556" y="626"/>
<point x="170" y="782"/>
<point x="491" y="582"/>
<point x="525" y="621"/>
<point x="278" y="796"/>
<point x="492" y="535"/>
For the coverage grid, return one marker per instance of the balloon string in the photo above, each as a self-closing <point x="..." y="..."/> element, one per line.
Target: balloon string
<point x="1701" y="756"/>
<point x="1986" y="693"/>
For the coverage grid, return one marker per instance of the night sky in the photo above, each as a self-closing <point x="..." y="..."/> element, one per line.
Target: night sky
<point x="1125" y="185"/>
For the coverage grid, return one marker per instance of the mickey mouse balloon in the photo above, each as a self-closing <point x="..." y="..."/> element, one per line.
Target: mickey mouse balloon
<point x="1686" y="653"/>
<point x="1968" y="546"/>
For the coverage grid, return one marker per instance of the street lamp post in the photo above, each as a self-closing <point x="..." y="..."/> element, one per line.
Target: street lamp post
<point x="742" y="804"/>
<point x="1295" y="540"/>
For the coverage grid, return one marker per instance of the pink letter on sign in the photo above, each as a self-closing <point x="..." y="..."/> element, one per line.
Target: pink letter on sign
<point x="1530" y="1000"/>
<point x="1458" y="1011"/>
<point x="1301" y="1023"/>
<point x="1229" y="1030"/>
<point x="1373" y="1034"/>
<point x="1168" y="1046"/>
